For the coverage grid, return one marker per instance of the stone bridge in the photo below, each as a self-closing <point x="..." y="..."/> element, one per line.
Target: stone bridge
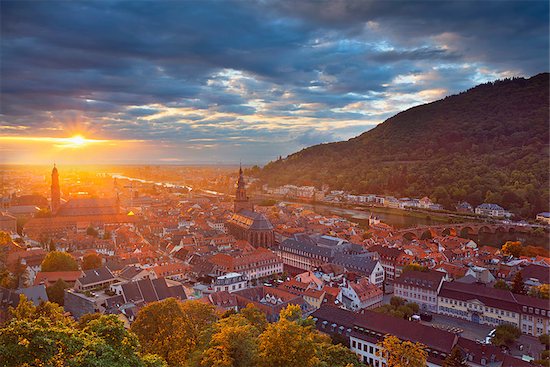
<point x="460" y="229"/>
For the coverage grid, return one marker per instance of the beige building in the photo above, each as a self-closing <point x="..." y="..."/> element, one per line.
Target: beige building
<point x="490" y="306"/>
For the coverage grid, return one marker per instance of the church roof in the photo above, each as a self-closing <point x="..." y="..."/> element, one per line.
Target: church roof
<point x="89" y="206"/>
<point x="251" y="220"/>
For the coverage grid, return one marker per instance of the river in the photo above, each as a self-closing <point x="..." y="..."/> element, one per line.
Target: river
<point x="404" y="221"/>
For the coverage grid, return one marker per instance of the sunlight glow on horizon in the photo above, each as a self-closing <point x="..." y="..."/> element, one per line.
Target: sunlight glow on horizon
<point x="75" y="141"/>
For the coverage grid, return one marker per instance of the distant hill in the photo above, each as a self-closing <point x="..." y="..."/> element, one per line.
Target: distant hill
<point x="488" y="144"/>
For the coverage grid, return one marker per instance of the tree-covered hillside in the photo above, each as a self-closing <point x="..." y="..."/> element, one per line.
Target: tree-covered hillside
<point x="488" y="144"/>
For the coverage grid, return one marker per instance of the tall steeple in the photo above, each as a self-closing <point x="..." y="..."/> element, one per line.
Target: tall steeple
<point x="56" y="191"/>
<point x="241" y="200"/>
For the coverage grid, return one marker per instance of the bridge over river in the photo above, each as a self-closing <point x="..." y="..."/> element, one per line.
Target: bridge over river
<point x="462" y="229"/>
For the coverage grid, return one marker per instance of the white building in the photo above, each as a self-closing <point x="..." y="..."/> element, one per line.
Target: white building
<point x="230" y="282"/>
<point x="492" y="210"/>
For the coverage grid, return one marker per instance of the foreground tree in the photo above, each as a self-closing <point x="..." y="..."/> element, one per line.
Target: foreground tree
<point x="293" y="341"/>
<point x="286" y="343"/>
<point x="505" y="334"/>
<point x="255" y="316"/>
<point x="518" y="286"/>
<point x="512" y="248"/>
<point x="455" y="359"/>
<point x="56" y="292"/>
<point x="172" y="329"/>
<point x="541" y="291"/>
<point x="234" y="343"/>
<point x="43" y="336"/>
<point x="399" y="353"/>
<point x="91" y="261"/>
<point x="59" y="261"/>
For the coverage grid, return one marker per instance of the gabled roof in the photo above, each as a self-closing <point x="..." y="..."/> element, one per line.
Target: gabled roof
<point x="93" y="276"/>
<point x="539" y="272"/>
<point x="433" y="338"/>
<point x="422" y="279"/>
<point x="365" y="290"/>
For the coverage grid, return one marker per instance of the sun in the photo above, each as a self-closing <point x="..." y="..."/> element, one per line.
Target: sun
<point x="77" y="140"/>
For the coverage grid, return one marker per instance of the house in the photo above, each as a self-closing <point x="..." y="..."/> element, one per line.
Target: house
<point x="49" y="278"/>
<point x="362" y="265"/>
<point x="175" y="271"/>
<point x="310" y="278"/>
<point x="133" y="272"/>
<point x="392" y="260"/>
<point x="230" y="282"/>
<point x="148" y="290"/>
<point x="308" y="291"/>
<point x="223" y="301"/>
<point x="480" y="275"/>
<point x="360" y="296"/>
<point x="492" y="210"/>
<point x="535" y="275"/>
<point x="464" y="207"/>
<point x="10" y="298"/>
<point x="255" y="265"/>
<point x="270" y="301"/>
<point x="420" y="287"/>
<point x="95" y="278"/>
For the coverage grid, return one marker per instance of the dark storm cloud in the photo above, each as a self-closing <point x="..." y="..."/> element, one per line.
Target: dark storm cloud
<point x="232" y="68"/>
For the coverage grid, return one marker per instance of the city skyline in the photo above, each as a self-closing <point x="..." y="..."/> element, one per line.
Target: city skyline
<point x="219" y="82"/>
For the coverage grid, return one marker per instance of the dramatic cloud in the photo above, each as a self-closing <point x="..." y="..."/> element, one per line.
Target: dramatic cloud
<point x="219" y="81"/>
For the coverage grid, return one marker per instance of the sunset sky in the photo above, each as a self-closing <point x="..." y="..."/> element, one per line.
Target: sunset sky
<point x="220" y="81"/>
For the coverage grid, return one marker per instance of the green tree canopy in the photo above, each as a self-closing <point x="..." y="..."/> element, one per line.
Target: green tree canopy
<point x="505" y="334"/>
<point x="91" y="261"/>
<point x="43" y="336"/>
<point x="56" y="292"/>
<point x="172" y="329"/>
<point x="59" y="261"/>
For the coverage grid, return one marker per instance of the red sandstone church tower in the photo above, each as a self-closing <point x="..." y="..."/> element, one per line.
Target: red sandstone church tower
<point x="241" y="200"/>
<point x="56" y="191"/>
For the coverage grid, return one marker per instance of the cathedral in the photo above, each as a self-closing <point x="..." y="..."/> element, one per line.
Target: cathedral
<point x="245" y="223"/>
<point x="76" y="215"/>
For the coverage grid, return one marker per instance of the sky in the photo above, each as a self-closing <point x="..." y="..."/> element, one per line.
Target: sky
<point x="218" y="82"/>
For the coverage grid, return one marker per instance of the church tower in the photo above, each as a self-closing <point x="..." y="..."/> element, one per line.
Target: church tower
<point x="56" y="191"/>
<point x="241" y="200"/>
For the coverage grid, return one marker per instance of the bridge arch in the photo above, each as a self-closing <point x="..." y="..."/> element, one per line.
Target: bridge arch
<point x="500" y="230"/>
<point x="449" y="231"/>
<point x="428" y="234"/>
<point x="484" y="229"/>
<point x="410" y="236"/>
<point x="466" y="231"/>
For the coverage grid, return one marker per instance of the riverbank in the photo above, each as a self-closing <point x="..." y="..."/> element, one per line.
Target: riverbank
<point x="434" y="217"/>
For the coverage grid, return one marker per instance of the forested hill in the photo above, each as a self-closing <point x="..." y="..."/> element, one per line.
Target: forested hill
<point x="488" y="144"/>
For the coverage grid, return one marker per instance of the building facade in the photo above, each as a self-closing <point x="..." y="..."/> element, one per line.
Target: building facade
<point x="419" y="287"/>
<point x="490" y="306"/>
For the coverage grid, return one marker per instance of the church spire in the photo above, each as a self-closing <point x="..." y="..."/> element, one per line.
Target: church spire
<point x="55" y="190"/>
<point x="241" y="200"/>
